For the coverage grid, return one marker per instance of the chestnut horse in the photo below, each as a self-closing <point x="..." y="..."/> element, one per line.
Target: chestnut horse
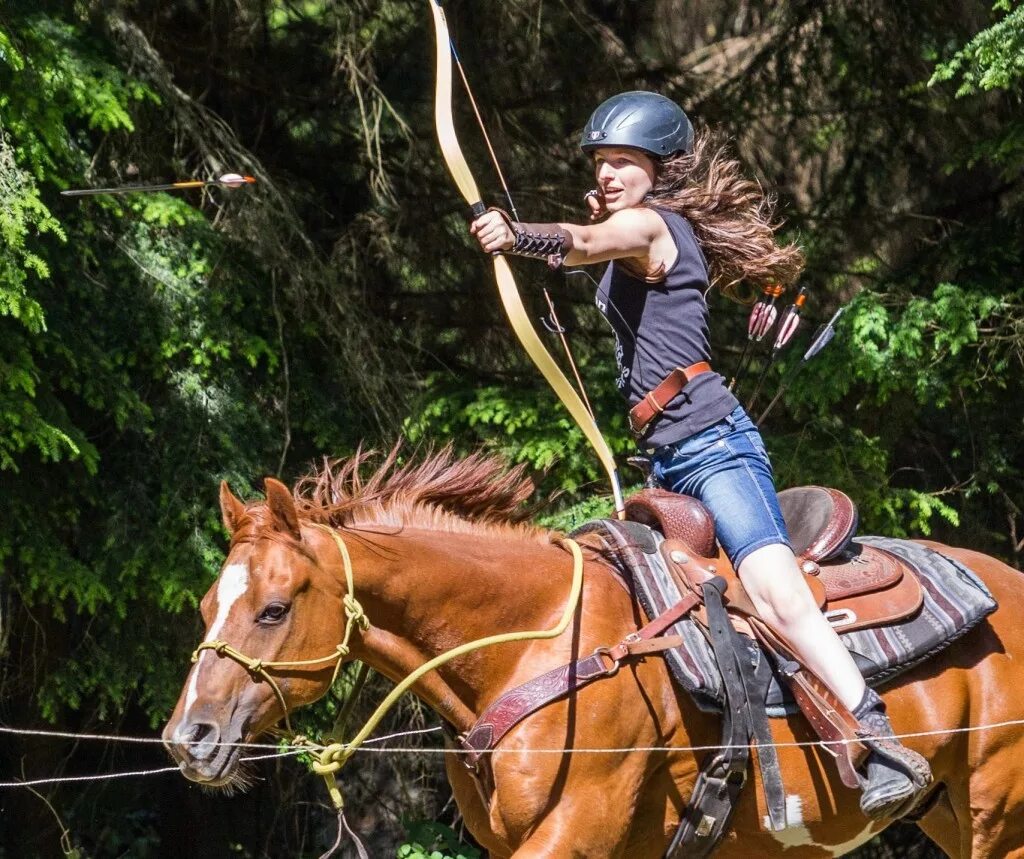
<point x="440" y="558"/>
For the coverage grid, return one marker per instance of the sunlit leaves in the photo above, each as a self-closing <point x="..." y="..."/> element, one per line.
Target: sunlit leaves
<point x="993" y="59"/>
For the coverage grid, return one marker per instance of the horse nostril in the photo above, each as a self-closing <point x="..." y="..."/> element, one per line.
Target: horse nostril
<point x="198" y="731"/>
<point x="200" y="738"/>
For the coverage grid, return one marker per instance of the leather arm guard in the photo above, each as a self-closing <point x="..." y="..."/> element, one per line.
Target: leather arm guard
<point x="539" y="241"/>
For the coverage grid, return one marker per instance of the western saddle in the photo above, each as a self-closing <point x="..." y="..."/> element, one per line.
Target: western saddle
<point x="855" y="586"/>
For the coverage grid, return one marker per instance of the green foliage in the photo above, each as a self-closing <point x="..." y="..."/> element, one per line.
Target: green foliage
<point x="151" y="346"/>
<point x="526" y="424"/>
<point x="993" y="59"/>
<point x="431" y="840"/>
<point x="139" y="356"/>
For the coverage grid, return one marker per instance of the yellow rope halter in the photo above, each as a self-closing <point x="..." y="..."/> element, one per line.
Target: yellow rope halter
<point x="327" y="760"/>
<point x="354" y="616"/>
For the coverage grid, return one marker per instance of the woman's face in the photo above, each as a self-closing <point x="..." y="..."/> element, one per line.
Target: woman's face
<point x="624" y="176"/>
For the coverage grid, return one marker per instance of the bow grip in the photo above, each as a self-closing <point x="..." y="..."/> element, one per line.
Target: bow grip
<point x="476" y="210"/>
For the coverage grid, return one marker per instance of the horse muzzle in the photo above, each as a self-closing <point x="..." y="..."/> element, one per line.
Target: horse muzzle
<point x="200" y="752"/>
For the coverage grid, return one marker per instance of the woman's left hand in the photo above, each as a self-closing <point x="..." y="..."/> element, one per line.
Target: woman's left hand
<point x="493" y="232"/>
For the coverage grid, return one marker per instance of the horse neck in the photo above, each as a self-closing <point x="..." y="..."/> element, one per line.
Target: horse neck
<point x="426" y="592"/>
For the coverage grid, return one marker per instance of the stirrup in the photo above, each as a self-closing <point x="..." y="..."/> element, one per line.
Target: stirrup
<point x="908" y="777"/>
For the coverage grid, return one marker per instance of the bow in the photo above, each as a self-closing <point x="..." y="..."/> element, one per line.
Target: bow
<point x="507" y="289"/>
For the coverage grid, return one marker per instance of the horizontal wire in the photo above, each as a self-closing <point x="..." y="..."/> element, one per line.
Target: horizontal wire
<point x="113" y="738"/>
<point x="544" y="751"/>
<point x="74" y="778"/>
<point x="117" y="738"/>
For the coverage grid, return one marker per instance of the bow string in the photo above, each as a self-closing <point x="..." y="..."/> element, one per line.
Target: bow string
<point x="508" y="291"/>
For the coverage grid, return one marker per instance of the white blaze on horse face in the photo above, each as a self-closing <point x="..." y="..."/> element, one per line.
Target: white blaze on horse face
<point x="234" y="582"/>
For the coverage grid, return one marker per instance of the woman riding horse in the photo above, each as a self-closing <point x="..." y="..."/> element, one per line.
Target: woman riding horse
<point x="437" y="557"/>
<point x="674" y="216"/>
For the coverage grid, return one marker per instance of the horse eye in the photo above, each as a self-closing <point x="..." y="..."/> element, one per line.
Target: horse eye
<point x="273" y="613"/>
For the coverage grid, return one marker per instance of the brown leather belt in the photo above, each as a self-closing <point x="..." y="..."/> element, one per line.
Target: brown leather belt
<point x="654" y="401"/>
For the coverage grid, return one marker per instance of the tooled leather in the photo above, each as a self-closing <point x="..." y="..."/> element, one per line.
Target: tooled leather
<point x="524" y="700"/>
<point x="501" y="716"/>
<point x="691" y="573"/>
<point x="850" y="575"/>
<point x="891" y="591"/>
<point x="887" y="605"/>
<point x="841" y="525"/>
<point x="678" y="517"/>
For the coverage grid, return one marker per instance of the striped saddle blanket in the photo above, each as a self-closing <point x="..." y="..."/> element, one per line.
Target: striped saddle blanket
<point x="955" y="601"/>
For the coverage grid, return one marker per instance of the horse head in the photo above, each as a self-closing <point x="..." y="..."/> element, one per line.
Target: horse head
<point x="275" y="604"/>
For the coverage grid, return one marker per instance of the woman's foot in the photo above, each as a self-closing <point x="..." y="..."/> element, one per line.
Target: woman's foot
<point x="895" y="777"/>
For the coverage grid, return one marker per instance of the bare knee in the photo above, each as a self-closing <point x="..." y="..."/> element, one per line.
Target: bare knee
<point x="776" y="587"/>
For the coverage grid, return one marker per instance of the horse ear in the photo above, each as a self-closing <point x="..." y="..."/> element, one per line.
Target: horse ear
<point x="282" y="506"/>
<point x="231" y="509"/>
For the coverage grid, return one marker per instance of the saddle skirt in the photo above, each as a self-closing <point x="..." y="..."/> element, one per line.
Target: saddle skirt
<point x="893" y="602"/>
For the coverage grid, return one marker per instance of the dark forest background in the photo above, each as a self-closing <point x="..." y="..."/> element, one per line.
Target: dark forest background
<point x="151" y="346"/>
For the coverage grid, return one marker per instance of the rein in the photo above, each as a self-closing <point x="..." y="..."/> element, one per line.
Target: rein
<point x="327" y="760"/>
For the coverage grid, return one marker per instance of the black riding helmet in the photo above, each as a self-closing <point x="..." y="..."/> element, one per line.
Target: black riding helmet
<point x="639" y="120"/>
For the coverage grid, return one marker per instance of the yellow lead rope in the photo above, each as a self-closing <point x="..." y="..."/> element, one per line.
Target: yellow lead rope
<point x="332" y="757"/>
<point x="329" y="759"/>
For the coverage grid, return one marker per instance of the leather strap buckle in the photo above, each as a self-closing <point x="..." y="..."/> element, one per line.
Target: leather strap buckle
<point x="606" y="652"/>
<point x="654" y="401"/>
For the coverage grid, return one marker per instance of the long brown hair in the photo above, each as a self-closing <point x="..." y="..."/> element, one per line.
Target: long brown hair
<point x="732" y="217"/>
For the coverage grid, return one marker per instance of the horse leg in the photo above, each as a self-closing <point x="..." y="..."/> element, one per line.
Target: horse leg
<point x="474" y="812"/>
<point x="996" y="828"/>
<point x="941" y="826"/>
<point x="590" y="834"/>
<point x="576" y="806"/>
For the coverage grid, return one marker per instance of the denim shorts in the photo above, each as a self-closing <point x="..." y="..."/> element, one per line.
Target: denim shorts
<point x="726" y="467"/>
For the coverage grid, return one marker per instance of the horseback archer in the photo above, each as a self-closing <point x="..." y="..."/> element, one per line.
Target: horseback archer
<point x="672" y="216"/>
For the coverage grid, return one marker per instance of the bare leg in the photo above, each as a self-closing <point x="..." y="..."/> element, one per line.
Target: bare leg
<point x="896" y="777"/>
<point x="776" y="586"/>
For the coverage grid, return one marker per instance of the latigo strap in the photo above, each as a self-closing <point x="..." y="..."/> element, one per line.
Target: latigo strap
<point x="655" y="400"/>
<point x="527" y="698"/>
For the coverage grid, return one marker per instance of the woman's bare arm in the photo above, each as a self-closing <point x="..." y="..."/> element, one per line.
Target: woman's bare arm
<point x="637" y="233"/>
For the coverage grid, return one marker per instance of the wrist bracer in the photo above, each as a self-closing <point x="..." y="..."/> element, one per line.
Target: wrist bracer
<point x="548" y="242"/>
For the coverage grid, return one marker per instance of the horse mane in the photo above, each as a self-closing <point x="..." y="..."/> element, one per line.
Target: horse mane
<point x="434" y="489"/>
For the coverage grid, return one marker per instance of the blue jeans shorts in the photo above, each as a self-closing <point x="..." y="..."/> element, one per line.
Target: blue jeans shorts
<point x="726" y="467"/>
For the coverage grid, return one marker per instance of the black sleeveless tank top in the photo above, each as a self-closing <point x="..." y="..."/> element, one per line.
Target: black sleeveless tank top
<point x="661" y="326"/>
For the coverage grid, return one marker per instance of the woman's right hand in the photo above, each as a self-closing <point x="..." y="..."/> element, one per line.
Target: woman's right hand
<point x="493" y="232"/>
<point x="595" y="202"/>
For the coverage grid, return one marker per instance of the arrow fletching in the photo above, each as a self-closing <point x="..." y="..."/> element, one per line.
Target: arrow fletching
<point x="763" y="313"/>
<point x="823" y="336"/>
<point x="790" y="320"/>
<point x="234" y="180"/>
<point x="756" y="312"/>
